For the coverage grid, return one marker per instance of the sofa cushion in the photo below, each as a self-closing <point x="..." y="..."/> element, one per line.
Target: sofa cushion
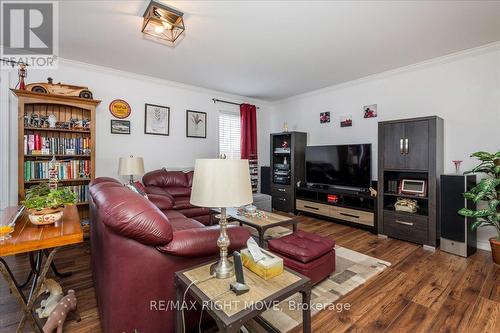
<point x="164" y="178"/>
<point x="195" y="211"/>
<point x="302" y="246"/>
<point x="163" y="202"/>
<point x="182" y="203"/>
<point x="184" y="223"/>
<point x="178" y="191"/>
<point x="173" y="214"/>
<point x="189" y="176"/>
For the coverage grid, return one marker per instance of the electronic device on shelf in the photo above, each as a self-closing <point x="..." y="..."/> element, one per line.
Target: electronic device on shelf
<point x="340" y="165"/>
<point x="413" y="187"/>
<point x="281" y="166"/>
<point x="285" y="150"/>
<point x="238" y="287"/>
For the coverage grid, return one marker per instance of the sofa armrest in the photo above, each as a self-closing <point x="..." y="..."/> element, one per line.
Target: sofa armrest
<point x="202" y="242"/>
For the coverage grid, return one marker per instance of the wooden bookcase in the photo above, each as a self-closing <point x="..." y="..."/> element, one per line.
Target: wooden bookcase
<point x="64" y="108"/>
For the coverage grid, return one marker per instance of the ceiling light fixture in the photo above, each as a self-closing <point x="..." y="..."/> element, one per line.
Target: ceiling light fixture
<point x="163" y="22"/>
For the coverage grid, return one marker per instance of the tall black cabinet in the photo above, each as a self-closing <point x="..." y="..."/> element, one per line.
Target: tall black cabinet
<point x="410" y="149"/>
<point x="287" y="168"/>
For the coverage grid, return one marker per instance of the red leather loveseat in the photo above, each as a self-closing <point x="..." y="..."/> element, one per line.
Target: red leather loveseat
<point x="176" y="185"/>
<point x="136" y="248"/>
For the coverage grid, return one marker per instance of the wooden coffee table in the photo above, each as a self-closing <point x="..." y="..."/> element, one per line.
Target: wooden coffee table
<point x="231" y="311"/>
<point x="29" y="238"/>
<point x="261" y="224"/>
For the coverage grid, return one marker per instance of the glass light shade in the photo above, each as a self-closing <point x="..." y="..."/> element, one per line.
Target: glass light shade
<point x="163" y="22"/>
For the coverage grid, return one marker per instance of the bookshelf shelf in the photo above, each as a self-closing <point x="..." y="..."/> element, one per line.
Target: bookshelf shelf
<point x="64" y="108"/>
<point x="46" y="129"/>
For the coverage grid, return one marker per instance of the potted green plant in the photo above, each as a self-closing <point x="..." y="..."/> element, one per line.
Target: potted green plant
<point x="488" y="191"/>
<point x="45" y="205"/>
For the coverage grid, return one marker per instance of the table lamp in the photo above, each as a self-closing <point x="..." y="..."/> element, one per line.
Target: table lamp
<point x="221" y="183"/>
<point x="130" y="166"/>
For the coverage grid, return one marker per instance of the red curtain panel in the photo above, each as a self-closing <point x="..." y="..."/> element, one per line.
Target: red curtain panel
<point x="248" y="114"/>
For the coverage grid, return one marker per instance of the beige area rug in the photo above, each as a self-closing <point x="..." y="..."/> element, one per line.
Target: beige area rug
<point x="352" y="269"/>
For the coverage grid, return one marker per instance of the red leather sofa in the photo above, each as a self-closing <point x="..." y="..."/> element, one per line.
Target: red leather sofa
<point x="176" y="185"/>
<point x="136" y="248"/>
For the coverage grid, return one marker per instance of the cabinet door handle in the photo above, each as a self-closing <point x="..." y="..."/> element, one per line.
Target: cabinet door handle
<point x="350" y="215"/>
<point x="281" y="190"/>
<point x="401" y="146"/>
<point x="407" y="146"/>
<point x="311" y="207"/>
<point x="404" y="223"/>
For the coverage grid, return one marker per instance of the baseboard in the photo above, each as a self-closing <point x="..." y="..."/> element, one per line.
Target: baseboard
<point x="483" y="245"/>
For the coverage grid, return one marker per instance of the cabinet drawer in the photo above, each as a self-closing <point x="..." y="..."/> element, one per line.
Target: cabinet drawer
<point x="352" y="215"/>
<point x="277" y="190"/>
<point x="282" y="203"/>
<point x="313" y="207"/>
<point x="412" y="228"/>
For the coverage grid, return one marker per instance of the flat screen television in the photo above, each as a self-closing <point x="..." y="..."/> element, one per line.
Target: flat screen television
<point x="342" y="165"/>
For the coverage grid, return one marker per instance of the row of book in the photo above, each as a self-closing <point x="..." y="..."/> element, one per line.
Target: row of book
<point x="34" y="170"/>
<point x="82" y="192"/>
<point x="35" y="144"/>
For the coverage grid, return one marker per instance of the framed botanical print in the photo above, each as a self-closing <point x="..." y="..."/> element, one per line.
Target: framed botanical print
<point x="196" y="124"/>
<point x="120" y="126"/>
<point x="156" y="119"/>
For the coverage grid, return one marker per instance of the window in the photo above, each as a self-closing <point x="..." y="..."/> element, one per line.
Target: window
<point x="229" y="135"/>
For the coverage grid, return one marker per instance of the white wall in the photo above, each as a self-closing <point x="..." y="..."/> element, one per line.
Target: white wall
<point x="463" y="89"/>
<point x="175" y="151"/>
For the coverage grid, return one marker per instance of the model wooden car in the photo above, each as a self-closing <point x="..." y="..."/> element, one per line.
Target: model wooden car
<point x="59" y="89"/>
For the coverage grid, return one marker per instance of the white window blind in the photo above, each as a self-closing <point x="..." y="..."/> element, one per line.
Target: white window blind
<point x="229" y="135"/>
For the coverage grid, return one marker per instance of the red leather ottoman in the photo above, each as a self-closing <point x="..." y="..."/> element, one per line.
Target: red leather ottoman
<point x="306" y="253"/>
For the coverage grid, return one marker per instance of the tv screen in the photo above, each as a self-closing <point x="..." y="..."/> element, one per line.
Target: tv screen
<point x="344" y="165"/>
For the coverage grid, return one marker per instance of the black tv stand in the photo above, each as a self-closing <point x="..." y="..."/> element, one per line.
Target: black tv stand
<point x="345" y="205"/>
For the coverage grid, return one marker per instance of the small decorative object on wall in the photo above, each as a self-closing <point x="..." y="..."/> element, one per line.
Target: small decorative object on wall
<point x="120" y="126"/>
<point x="370" y="111"/>
<point x="156" y="119"/>
<point x="324" y="117"/>
<point x="346" y="121"/>
<point x="457" y="166"/>
<point x="120" y="109"/>
<point x="196" y="124"/>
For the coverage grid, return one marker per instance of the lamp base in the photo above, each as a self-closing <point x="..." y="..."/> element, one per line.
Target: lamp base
<point x="222" y="269"/>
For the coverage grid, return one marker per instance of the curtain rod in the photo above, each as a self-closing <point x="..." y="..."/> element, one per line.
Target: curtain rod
<point x="227" y="102"/>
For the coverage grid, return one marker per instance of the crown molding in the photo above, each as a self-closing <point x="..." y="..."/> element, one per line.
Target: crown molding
<point x="155" y="80"/>
<point x="410" y="68"/>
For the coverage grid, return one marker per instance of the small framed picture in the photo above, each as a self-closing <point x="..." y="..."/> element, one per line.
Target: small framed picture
<point x="346" y="121"/>
<point x="324" y="117"/>
<point x="196" y="124"/>
<point x="156" y="119"/>
<point x="120" y="126"/>
<point x="370" y="111"/>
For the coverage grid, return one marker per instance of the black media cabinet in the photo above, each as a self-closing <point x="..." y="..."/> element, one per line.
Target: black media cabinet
<point x="349" y="207"/>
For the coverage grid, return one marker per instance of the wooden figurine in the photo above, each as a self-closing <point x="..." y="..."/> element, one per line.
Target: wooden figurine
<point x="47" y="305"/>
<point x="58" y="316"/>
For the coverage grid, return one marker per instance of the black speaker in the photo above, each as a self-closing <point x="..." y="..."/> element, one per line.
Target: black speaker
<point x="265" y="180"/>
<point x="456" y="235"/>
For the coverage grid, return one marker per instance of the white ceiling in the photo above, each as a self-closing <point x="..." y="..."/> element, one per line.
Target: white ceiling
<point x="275" y="49"/>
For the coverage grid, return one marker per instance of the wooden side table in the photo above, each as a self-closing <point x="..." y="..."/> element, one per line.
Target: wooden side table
<point x="29" y="238"/>
<point x="231" y="311"/>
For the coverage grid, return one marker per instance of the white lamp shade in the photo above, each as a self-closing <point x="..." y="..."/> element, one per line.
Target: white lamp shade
<point x="221" y="183"/>
<point x="131" y="166"/>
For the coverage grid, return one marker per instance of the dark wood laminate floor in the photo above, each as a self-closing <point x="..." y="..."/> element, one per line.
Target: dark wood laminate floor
<point x="423" y="291"/>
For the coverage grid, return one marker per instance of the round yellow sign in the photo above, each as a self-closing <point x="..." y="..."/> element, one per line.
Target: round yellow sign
<point x="120" y="109"/>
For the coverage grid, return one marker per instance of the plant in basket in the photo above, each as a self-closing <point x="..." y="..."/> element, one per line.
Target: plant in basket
<point x="45" y="205"/>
